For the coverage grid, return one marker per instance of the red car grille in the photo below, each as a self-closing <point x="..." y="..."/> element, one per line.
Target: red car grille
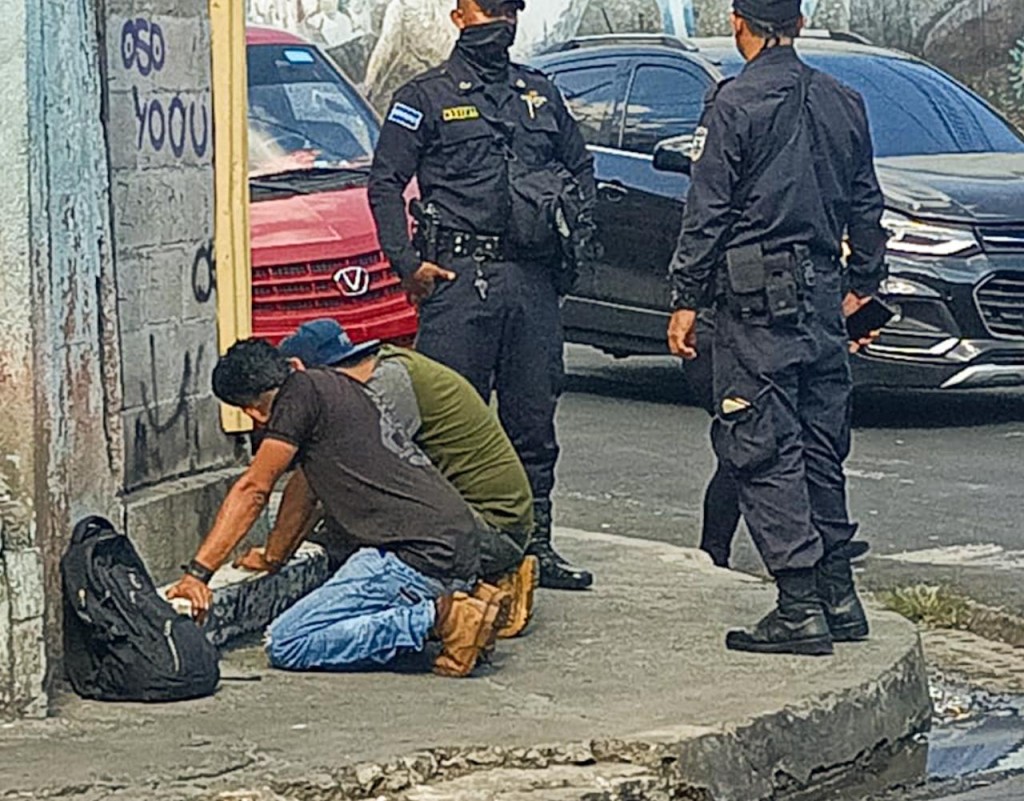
<point x="301" y="288"/>
<point x="287" y="295"/>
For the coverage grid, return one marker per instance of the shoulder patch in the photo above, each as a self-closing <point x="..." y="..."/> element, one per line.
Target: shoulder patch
<point x="406" y="116"/>
<point x="456" y="113"/>
<point x="700" y="139"/>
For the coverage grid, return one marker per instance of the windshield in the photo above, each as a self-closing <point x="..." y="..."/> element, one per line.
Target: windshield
<point x="302" y="113"/>
<point x="915" y="109"/>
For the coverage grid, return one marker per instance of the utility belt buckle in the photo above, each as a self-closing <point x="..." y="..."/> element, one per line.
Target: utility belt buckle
<point x="478" y="248"/>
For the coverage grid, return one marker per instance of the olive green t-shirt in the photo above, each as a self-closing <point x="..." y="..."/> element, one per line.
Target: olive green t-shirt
<point x="460" y="434"/>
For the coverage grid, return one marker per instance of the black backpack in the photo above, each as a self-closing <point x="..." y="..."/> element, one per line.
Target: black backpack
<point x="122" y="641"/>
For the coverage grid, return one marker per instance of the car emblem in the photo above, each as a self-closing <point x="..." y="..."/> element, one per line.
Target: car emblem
<point x="352" y="282"/>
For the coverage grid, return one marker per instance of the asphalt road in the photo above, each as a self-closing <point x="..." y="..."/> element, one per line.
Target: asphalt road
<point x="935" y="478"/>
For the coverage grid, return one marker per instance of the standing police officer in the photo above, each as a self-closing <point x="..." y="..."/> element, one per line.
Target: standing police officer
<point x="507" y="186"/>
<point x="782" y="170"/>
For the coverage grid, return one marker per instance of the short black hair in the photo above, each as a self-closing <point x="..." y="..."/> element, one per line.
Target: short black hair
<point x="249" y="368"/>
<point x="770" y="30"/>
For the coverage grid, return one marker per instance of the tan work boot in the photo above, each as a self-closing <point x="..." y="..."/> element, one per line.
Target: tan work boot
<point x="521" y="584"/>
<point x="494" y="596"/>
<point x="466" y="627"/>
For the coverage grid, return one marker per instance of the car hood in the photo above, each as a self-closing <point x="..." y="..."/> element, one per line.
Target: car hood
<point x="313" y="227"/>
<point x="963" y="187"/>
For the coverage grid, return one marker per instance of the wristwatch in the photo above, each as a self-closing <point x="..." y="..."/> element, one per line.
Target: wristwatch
<point x="198" y="571"/>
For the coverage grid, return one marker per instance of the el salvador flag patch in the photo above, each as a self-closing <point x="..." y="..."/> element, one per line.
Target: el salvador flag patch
<point x="406" y="116"/>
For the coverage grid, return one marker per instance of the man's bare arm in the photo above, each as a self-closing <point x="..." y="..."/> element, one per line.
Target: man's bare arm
<point x="298" y="508"/>
<point x="243" y="505"/>
<point x="245" y="502"/>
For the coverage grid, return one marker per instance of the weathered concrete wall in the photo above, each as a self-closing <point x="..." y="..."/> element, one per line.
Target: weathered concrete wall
<point x="161" y="161"/>
<point x="59" y="354"/>
<point x="161" y="154"/>
<point x="20" y="654"/>
<point x="108" y="328"/>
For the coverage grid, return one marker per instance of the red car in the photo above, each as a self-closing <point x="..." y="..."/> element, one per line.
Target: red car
<point x="314" y="244"/>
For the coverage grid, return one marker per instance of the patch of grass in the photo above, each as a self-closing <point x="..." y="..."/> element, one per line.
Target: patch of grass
<point x="936" y="606"/>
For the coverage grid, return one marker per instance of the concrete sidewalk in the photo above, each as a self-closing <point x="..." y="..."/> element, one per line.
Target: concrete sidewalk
<point x="623" y="692"/>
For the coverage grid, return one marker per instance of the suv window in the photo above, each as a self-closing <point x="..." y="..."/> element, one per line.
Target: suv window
<point x="590" y="94"/>
<point x="663" y="101"/>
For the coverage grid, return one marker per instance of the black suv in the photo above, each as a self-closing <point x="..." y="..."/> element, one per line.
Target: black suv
<point x="951" y="167"/>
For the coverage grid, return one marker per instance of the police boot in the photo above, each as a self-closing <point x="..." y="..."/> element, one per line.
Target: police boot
<point x="796" y="626"/>
<point x="555" y="572"/>
<point x="843" y="609"/>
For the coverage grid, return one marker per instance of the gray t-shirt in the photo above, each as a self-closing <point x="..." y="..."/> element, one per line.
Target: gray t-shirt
<point x="371" y="478"/>
<point x="392" y="383"/>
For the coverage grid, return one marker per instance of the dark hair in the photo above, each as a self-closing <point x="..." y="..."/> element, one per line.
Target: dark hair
<point x="250" y="368"/>
<point x="771" y="30"/>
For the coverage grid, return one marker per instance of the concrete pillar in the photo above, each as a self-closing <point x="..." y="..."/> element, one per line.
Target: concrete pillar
<point x="108" y="321"/>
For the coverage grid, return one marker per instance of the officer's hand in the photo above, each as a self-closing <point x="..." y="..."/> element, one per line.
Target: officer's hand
<point x="199" y="596"/>
<point x="420" y="285"/>
<point x="853" y="303"/>
<point x="682" y="334"/>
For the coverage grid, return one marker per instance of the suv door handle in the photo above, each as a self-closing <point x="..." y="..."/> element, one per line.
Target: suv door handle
<point x="613" y="191"/>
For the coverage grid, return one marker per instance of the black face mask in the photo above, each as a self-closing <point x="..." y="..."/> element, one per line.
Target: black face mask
<point x="485" y="48"/>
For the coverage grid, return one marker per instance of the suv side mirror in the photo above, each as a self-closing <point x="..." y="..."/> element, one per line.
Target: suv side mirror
<point x="675" y="154"/>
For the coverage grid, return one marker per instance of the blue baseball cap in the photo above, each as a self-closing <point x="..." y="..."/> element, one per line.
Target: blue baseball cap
<point x="324" y="343"/>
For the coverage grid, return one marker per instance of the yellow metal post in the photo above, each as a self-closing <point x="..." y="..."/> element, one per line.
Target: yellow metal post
<point x="231" y="163"/>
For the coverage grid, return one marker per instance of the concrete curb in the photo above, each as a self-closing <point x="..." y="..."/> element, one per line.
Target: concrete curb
<point x="245" y="602"/>
<point x="614" y="696"/>
<point x="869" y="734"/>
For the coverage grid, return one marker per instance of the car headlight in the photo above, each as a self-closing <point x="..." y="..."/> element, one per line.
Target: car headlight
<point x="906" y="287"/>
<point x="926" y="239"/>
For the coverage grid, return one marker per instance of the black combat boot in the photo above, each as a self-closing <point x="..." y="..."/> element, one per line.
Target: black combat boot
<point x="555" y="572"/>
<point x="796" y="626"/>
<point x="843" y="609"/>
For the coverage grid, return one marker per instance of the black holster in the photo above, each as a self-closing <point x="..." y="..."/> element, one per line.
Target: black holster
<point x="767" y="289"/>
<point x="428" y="229"/>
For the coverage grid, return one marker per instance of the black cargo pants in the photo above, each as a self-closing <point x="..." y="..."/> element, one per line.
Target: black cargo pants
<point x="787" y="448"/>
<point x="510" y="343"/>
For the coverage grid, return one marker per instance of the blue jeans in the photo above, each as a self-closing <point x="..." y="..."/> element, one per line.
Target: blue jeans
<point x="373" y="607"/>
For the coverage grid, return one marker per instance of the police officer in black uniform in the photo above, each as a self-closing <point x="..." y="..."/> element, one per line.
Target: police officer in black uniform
<point x="782" y="170"/>
<point x="496" y="153"/>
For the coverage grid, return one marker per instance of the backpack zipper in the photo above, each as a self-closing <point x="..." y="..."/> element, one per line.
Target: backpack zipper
<point x="168" y="625"/>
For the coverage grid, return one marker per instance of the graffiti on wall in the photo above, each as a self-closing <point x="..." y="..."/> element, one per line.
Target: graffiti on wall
<point x="162" y="118"/>
<point x="980" y="43"/>
<point x="160" y="88"/>
<point x="161" y="418"/>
